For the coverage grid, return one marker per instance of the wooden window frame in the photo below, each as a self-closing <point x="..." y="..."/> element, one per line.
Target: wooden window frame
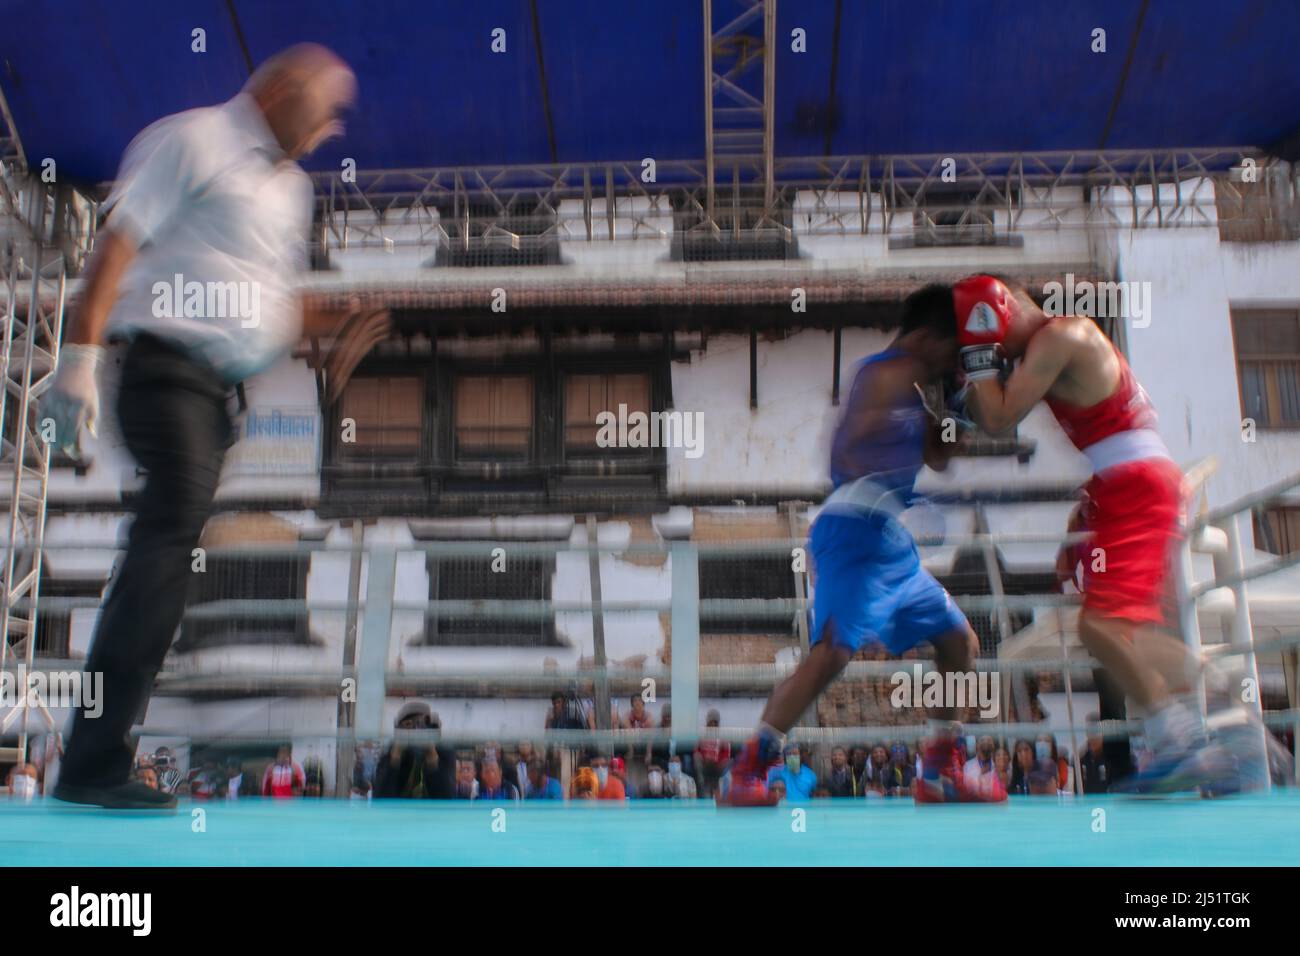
<point x="1273" y="397"/>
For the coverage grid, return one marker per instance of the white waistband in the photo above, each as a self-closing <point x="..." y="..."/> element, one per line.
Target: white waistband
<point x="865" y="495"/>
<point x="1133" y="445"/>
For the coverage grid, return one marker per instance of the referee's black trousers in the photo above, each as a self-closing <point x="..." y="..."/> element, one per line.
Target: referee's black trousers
<point x="174" y="417"/>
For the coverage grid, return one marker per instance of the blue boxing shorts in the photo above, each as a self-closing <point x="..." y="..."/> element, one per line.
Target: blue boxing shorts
<point x="870" y="586"/>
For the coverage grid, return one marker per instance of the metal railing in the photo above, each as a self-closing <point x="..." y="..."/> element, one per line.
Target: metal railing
<point x="374" y="608"/>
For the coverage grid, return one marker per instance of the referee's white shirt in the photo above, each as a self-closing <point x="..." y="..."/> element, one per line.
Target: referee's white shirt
<point x="220" y="217"/>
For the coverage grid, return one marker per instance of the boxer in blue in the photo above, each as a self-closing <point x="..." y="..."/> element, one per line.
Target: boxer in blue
<point x="869" y="582"/>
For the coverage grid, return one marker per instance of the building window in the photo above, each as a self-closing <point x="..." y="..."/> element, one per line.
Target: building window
<point x="1267" y="344"/>
<point x="272" y="578"/>
<point x="54" y="625"/>
<point x="586" y="396"/>
<point x="1277" y="530"/>
<point x="389" y="417"/>
<point x="472" y="578"/>
<point x="493" y="417"/>
<point x="742" y="576"/>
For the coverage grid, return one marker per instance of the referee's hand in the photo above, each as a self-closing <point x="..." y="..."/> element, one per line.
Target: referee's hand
<point x="73" y="397"/>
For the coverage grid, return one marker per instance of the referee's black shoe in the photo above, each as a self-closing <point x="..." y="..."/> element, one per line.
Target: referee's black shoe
<point x="122" y="796"/>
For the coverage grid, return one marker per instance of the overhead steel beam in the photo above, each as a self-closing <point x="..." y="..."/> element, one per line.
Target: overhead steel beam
<point x="429" y="208"/>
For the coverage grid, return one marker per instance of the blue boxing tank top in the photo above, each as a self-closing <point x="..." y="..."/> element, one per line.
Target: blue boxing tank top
<point x="879" y="473"/>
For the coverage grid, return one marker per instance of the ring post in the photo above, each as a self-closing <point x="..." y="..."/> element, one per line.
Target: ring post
<point x="685" y="669"/>
<point x="377" y="627"/>
<point x="1229" y="567"/>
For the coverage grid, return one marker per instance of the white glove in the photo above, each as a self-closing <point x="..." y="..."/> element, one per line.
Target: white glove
<point x="73" y="397"/>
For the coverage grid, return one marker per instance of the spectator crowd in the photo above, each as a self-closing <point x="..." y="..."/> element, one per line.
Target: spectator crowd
<point x="422" y="767"/>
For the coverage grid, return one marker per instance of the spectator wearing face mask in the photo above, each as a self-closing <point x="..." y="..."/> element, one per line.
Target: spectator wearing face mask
<point x="799" y="781"/>
<point x="656" y="784"/>
<point x="1046" y="753"/>
<point x="21" y="781"/>
<point x="680" y="784"/>
<point x="840" y="781"/>
<point x="611" y="787"/>
<point x="661" y="753"/>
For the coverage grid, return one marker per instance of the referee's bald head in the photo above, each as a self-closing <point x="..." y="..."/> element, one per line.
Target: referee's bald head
<point x="303" y="91"/>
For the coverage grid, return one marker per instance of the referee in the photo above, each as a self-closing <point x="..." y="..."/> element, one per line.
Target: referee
<point x="195" y="269"/>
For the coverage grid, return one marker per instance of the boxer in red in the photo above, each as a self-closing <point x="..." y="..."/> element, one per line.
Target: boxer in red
<point x="1132" y="508"/>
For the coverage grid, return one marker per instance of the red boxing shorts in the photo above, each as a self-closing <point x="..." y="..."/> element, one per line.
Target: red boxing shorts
<point x="1135" y="514"/>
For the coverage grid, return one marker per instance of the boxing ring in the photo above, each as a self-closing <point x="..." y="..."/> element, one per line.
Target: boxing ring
<point x="1245" y="831"/>
<point x="1258" y="828"/>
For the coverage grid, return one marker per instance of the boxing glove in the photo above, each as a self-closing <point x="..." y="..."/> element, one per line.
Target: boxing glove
<point x="985" y="309"/>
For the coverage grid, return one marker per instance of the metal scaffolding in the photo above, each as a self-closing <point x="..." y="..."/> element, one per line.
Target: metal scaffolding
<point x="45" y="231"/>
<point x="919" y="195"/>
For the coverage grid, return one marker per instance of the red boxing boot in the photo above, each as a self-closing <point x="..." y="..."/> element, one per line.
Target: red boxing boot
<point x="941" y="779"/>
<point x="748" y="781"/>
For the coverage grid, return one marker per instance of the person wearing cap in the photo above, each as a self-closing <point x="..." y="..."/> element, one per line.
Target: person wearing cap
<point x="416" y="771"/>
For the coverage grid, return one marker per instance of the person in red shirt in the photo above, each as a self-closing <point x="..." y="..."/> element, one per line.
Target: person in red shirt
<point x="611" y="787"/>
<point x="284" y="778"/>
<point x="712" y="757"/>
<point x="1133" y="503"/>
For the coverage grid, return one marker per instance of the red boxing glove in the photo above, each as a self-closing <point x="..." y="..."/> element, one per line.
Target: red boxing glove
<point x="985" y="308"/>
